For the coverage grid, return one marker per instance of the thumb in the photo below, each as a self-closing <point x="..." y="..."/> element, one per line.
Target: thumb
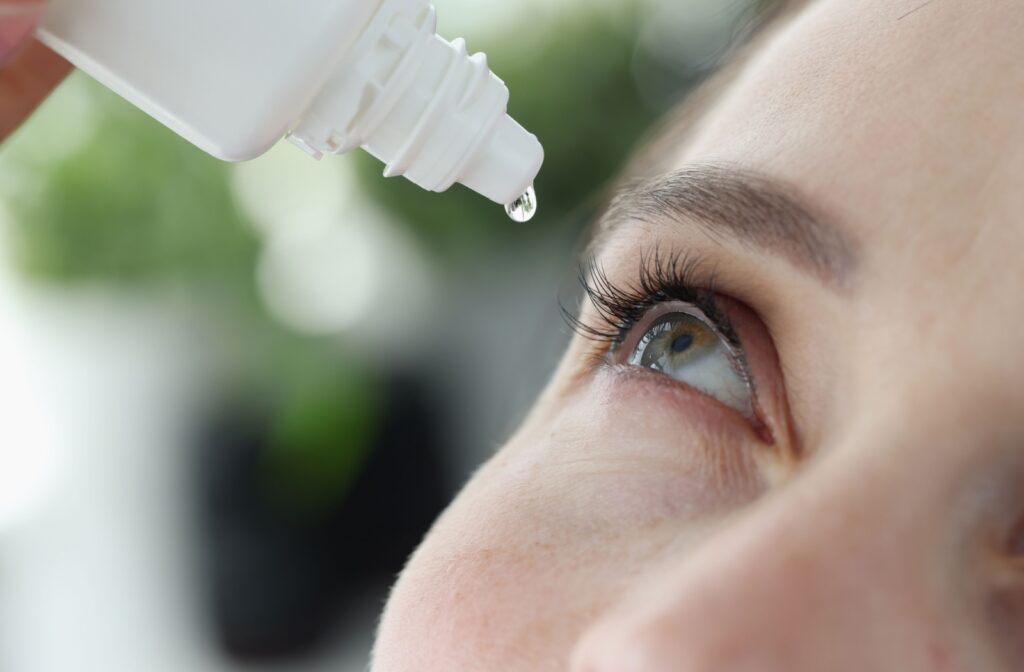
<point x="28" y="69"/>
<point x="18" y="20"/>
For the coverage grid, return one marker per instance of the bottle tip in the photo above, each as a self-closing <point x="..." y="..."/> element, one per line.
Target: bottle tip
<point x="506" y="163"/>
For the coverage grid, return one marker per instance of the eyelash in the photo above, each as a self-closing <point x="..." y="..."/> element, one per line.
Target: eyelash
<point x="660" y="278"/>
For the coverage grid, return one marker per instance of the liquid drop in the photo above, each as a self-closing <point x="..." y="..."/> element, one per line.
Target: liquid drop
<point x="523" y="208"/>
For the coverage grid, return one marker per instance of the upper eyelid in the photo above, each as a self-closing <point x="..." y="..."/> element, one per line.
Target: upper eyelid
<point x="622" y="312"/>
<point x="745" y="205"/>
<point x="618" y="302"/>
<point x="656" y="312"/>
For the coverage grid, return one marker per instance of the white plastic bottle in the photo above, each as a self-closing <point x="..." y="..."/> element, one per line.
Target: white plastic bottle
<point x="235" y="76"/>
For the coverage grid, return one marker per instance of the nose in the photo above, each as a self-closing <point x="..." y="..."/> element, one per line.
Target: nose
<point x="833" y="574"/>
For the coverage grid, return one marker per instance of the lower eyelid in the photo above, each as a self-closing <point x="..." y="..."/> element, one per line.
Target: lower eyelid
<point x="690" y="396"/>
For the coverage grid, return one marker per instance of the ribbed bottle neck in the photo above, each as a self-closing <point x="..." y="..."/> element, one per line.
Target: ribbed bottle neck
<point x="425" y="107"/>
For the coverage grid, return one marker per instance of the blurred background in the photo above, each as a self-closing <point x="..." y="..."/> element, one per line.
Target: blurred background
<point x="234" y="397"/>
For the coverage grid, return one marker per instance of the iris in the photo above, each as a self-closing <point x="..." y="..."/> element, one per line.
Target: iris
<point x="689" y="349"/>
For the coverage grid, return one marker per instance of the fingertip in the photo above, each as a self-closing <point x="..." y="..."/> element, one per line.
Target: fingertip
<point x="18" y="21"/>
<point x="25" y="82"/>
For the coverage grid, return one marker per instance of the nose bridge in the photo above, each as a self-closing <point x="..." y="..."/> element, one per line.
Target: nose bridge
<point x="830" y="573"/>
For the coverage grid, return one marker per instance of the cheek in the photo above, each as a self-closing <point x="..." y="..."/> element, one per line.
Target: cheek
<point x="551" y="533"/>
<point x="634" y="451"/>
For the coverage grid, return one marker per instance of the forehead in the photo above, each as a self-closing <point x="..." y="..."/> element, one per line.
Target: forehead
<point x="911" y="123"/>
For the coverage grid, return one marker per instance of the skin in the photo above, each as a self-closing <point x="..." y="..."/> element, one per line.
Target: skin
<point x="29" y="71"/>
<point x="634" y="524"/>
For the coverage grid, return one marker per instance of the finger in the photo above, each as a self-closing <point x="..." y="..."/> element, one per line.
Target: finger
<point x="25" y="81"/>
<point x="17" y="22"/>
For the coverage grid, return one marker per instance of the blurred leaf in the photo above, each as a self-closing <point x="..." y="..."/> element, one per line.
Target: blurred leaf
<point x="134" y="204"/>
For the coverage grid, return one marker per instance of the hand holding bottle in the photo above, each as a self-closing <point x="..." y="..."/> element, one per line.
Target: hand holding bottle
<point x="28" y="70"/>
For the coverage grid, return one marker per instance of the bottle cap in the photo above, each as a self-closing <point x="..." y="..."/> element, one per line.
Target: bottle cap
<point x="425" y="107"/>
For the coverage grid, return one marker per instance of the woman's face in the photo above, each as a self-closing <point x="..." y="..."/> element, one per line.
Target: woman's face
<point x="791" y="433"/>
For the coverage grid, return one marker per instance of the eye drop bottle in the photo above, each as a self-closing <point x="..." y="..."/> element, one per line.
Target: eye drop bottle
<point x="235" y="76"/>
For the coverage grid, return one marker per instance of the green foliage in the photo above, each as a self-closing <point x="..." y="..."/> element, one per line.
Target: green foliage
<point x="322" y="431"/>
<point x="134" y="204"/>
<point x="136" y="207"/>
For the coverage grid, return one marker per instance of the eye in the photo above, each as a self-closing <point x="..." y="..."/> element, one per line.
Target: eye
<point x="679" y="341"/>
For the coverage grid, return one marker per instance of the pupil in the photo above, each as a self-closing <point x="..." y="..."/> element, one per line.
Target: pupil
<point x="682" y="342"/>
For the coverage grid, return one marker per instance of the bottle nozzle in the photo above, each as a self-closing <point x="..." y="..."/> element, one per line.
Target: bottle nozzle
<point x="425" y="107"/>
<point x="505" y="163"/>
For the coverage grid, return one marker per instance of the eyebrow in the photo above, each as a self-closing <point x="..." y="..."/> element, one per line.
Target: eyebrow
<point x="743" y="205"/>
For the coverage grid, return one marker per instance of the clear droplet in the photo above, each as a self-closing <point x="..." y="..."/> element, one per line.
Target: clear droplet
<point x="523" y="208"/>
